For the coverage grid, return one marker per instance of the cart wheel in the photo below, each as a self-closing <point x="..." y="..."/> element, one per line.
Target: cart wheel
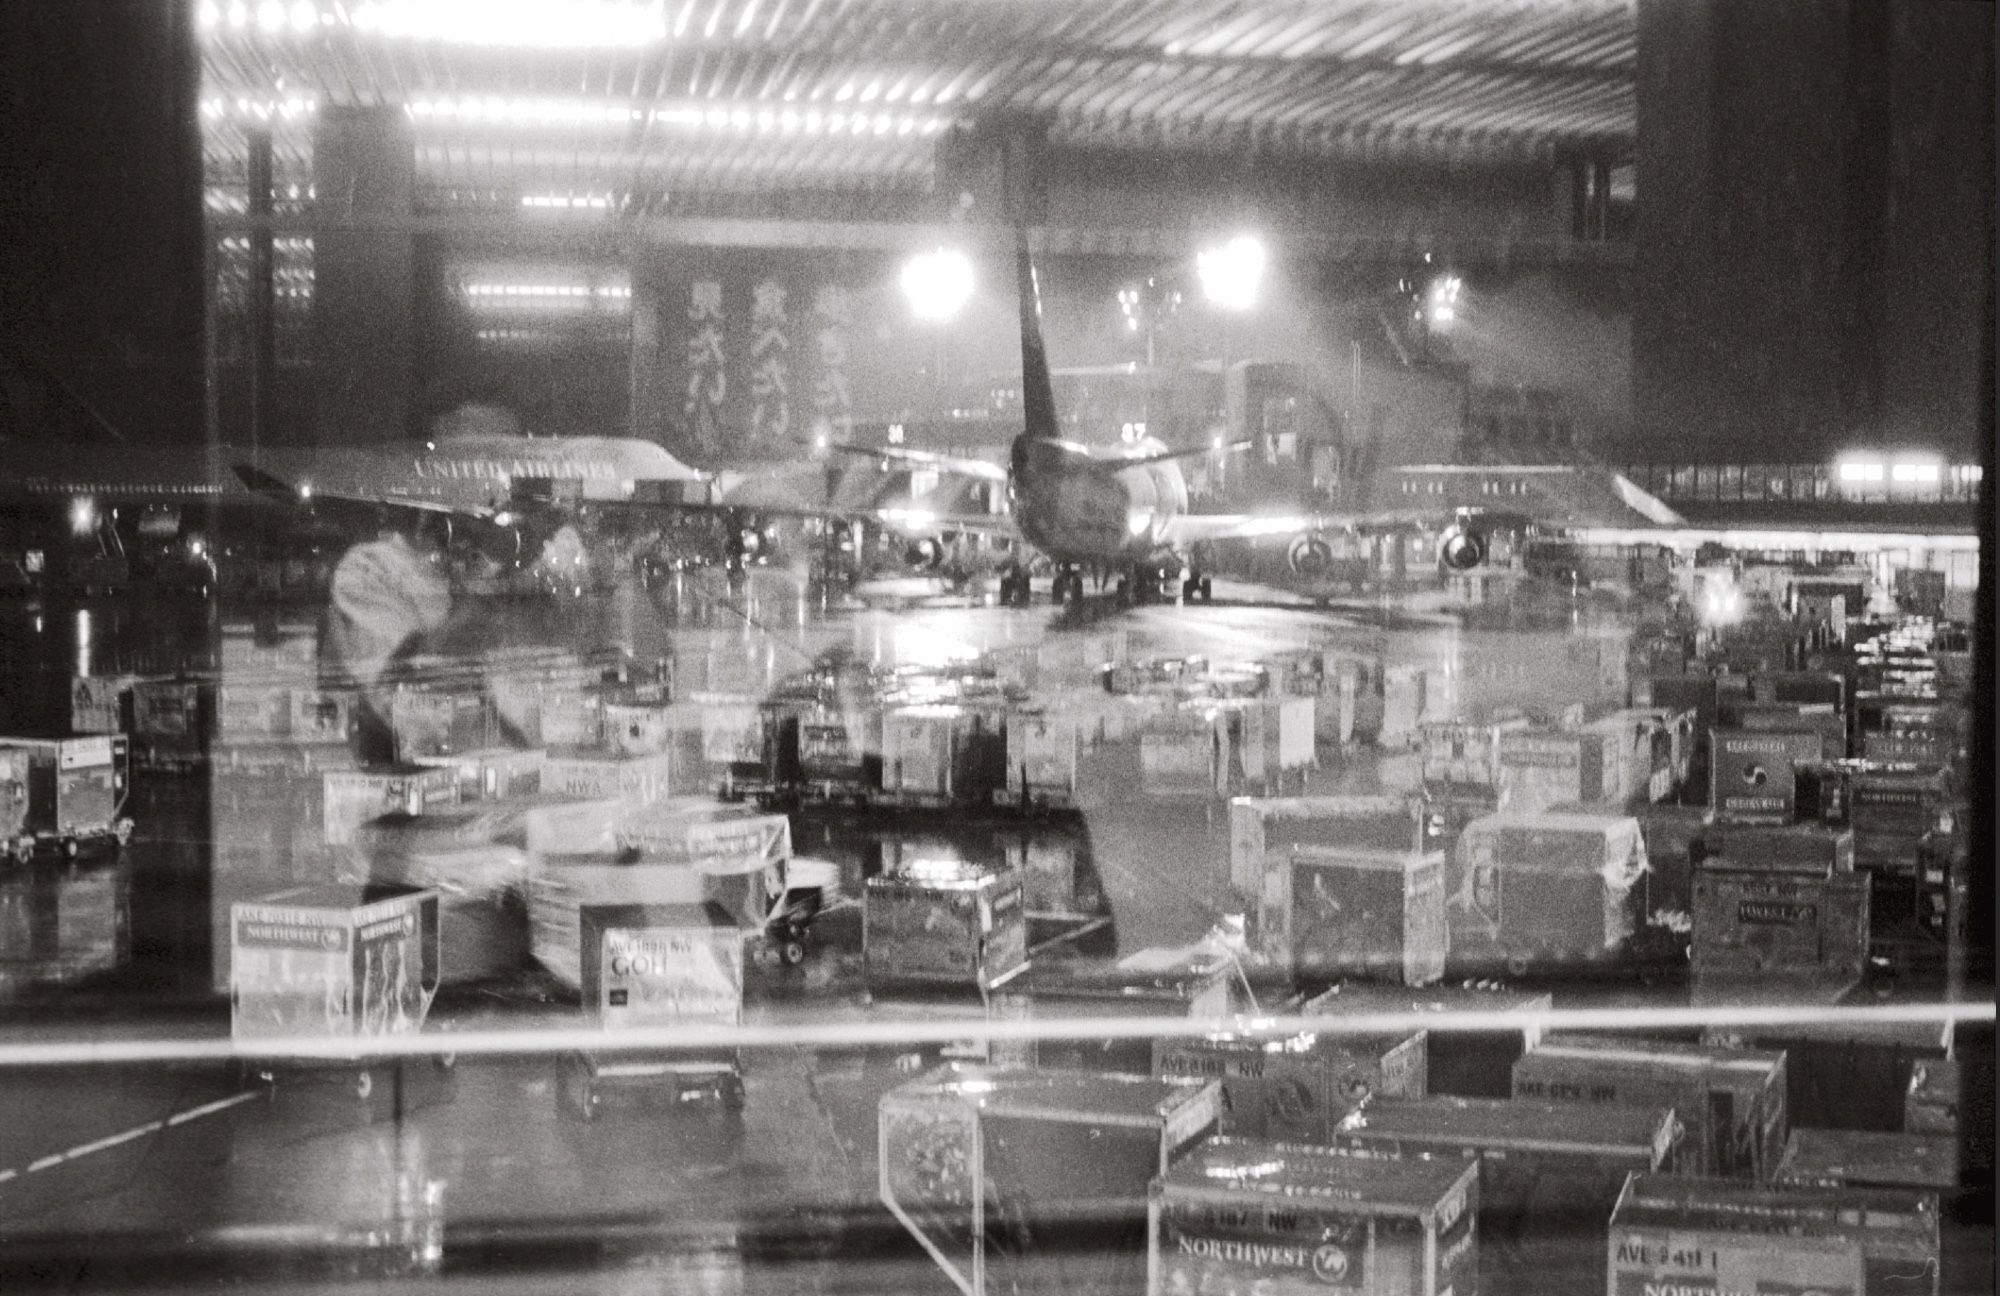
<point x="1518" y="965"/>
<point x="123" y="831"/>
<point x="793" y="952"/>
<point x="364" y="1083"/>
<point x="70" y="848"/>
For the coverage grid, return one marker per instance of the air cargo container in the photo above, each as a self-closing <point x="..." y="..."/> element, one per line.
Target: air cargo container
<point x="1262" y="829"/>
<point x="1852" y="1074"/>
<point x="1751" y="925"/>
<point x="1751" y="775"/>
<point x="1541" y="768"/>
<point x="430" y="721"/>
<point x="1043" y="768"/>
<point x="1829" y="1158"/>
<point x="1466" y="753"/>
<point x="1295" y="1087"/>
<point x="172" y="723"/>
<point x="1372" y="914"/>
<point x="975" y="1162"/>
<point x="1546" y="889"/>
<point x="595" y="774"/>
<point x="1244" y="1215"/>
<point x="1464" y="1064"/>
<point x="322" y="716"/>
<point x="1193" y="984"/>
<point x="335" y="962"/>
<point x="350" y="798"/>
<point x="1186" y="753"/>
<point x="943" y="923"/>
<point x="76" y="790"/>
<point x="101" y="704"/>
<point x="1731" y="1102"/>
<point x="920" y="753"/>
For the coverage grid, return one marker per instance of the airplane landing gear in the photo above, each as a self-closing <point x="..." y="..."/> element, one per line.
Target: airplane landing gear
<point x="1069" y="586"/>
<point x="1014" y="587"/>
<point x="1196" y="586"/>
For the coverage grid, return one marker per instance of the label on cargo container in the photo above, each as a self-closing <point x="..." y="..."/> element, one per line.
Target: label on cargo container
<point x="1648" y="1263"/>
<point x="1277" y="1251"/>
<point x="1776" y="913"/>
<point x="83" y="753"/>
<point x="661" y="977"/>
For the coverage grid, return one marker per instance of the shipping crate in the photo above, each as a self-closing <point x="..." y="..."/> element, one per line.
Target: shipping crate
<point x="1540" y="768"/>
<point x="920" y="753"/>
<point x="172" y="721"/>
<point x="1283" y="1220"/>
<point x="1731" y="1102"/>
<point x="638" y="728"/>
<point x="1377" y="914"/>
<point x="980" y="1164"/>
<point x="1892" y="810"/>
<point x="351" y="798"/>
<point x="1464" y="1064"/>
<point x="1829" y="1158"/>
<point x="1751" y="775"/>
<point x="1848" y="1075"/>
<point x="1671" y="1234"/>
<point x="1466" y="753"/>
<point x="333" y="962"/>
<point x="322" y="716"/>
<point x="1186" y="753"/>
<point x="1043" y="767"/>
<point x="1263" y="829"/>
<point x="1793" y="717"/>
<point x="101" y="704"/>
<point x="1674" y="748"/>
<point x="1803" y="849"/>
<point x="596" y="774"/>
<point x="252" y="713"/>
<point x="1298" y="1086"/>
<point x="1181" y="983"/>
<point x="493" y="773"/>
<point x="939" y="923"/>
<point x="1546" y="889"/>
<point x="1549" y="1175"/>
<point x="1750" y="924"/>
<point x="430" y="721"/>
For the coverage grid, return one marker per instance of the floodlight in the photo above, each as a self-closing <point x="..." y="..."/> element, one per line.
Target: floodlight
<point x="937" y="284"/>
<point x="1230" y="274"/>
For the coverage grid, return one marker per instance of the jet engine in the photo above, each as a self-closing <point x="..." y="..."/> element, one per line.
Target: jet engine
<point x="1310" y="556"/>
<point x="1461" y="548"/>
<point x="925" y="554"/>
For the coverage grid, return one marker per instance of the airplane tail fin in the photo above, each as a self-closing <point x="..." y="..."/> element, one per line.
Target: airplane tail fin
<point x="1038" y="400"/>
<point x="264" y="483"/>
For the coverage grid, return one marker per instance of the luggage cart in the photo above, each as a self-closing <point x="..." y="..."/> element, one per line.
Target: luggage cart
<point x="76" y="791"/>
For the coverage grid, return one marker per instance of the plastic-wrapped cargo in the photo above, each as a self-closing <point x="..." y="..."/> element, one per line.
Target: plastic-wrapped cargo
<point x="593" y="774"/>
<point x="1749" y="925"/>
<point x="1281" y="1220"/>
<point x="1731" y="1102"/>
<point x="333" y="962"/>
<point x="482" y="897"/>
<point x="1670" y="1233"/>
<point x="1546" y="888"/>
<point x="492" y="773"/>
<point x="1375" y="914"/>
<point x="101" y="704"/>
<point x="1549" y="1175"/>
<point x="1829" y="1158"/>
<point x="1262" y="830"/>
<point x="1466" y="753"/>
<point x="683" y="851"/>
<point x="351" y="798"/>
<point x="1752" y="777"/>
<point x="943" y="923"/>
<point x="977" y="1162"/>
<point x="1476" y="1064"/>
<point x="1540" y="768"/>
<point x="1298" y="1086"/>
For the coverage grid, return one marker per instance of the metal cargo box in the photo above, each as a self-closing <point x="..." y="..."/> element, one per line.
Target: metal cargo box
<point x="1402" y="706"/>
<point x="660" y="965"/>
<point x="333" y="962"/>
<point x="1377" y="914"/>
<point x="1703" y="1235"/>
<point x="350" y="798"/>
<point x="1751" y="776"/>
<point x="1465" y="1064"/>
<point x="1542" y="768"/>
<point x="1731" y="1102"/>
<point x="1278" y="1220"/>
<point x="1298" y="1086"/>
<point x="1828" y="1158"/>
<point x="982" y="1165"/>
<point x="1849" y="1075"/>
<point x="1548" y="1175"/>
<point x="1804" y="849"/>
<point x="943" y="923"/>
<point x="493" y="773"/>
<point x="1750" y="924"/>
<point x="591" y="775"/>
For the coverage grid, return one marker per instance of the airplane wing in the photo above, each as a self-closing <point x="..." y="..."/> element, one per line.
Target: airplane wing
<point x="975" y="468"/>
<point x="921" y="522"/>
<point x="1115" y="462"/>
<point x="1194" y="528"/>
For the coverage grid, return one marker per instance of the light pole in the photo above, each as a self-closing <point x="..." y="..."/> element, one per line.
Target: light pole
<point x="1230" y="275"/>
<point x="937" y="284"/>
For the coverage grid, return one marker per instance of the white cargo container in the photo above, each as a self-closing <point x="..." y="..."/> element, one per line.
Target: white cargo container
<point x="919" y="749"/>
<point x="1186" y="753"/>
<point x="101" y="704"/>
<point x="1466" y="753"/>
<point x="1540" y="768"/>
<point x="350" y="798"/>
<point x="1262" y="831"/>
<point x="1402" y="706"/>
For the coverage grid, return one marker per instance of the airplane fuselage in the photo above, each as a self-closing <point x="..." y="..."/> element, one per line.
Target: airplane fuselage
<point x="1080" y="508"/>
